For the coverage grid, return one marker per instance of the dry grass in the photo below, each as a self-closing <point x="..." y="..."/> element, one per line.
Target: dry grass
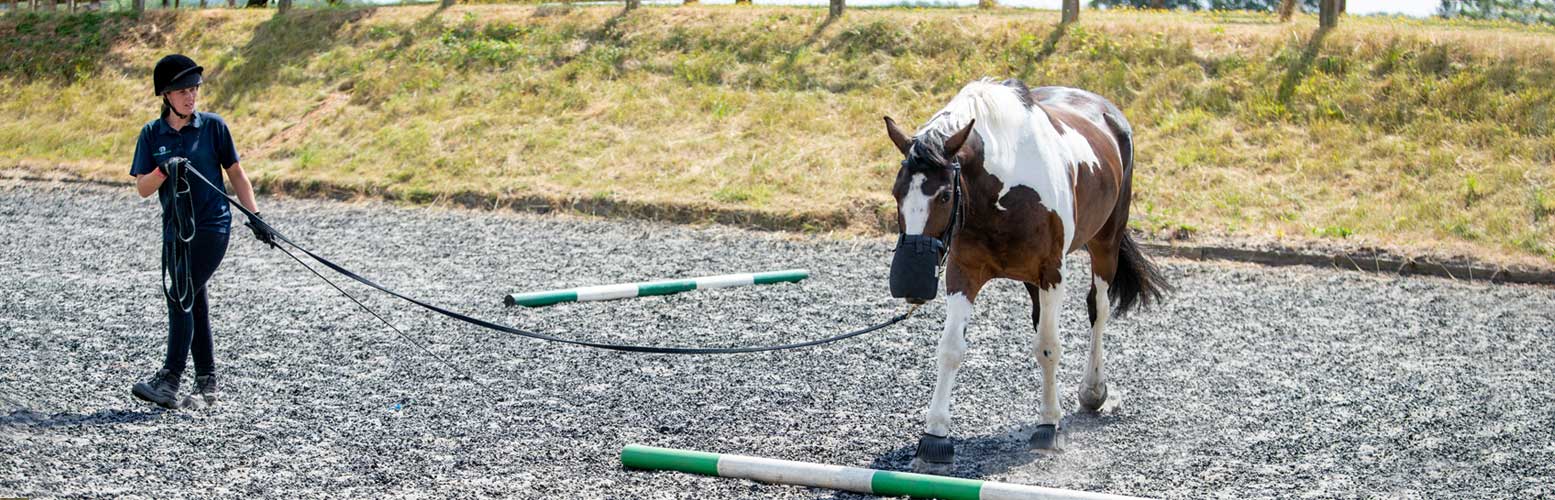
<point x="1398" y="134"/>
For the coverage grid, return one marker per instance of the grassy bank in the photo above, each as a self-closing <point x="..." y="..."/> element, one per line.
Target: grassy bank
<point x="1399" y="134"/>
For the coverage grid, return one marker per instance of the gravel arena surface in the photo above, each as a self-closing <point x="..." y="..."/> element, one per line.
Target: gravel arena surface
<point x="1249" y="382"/>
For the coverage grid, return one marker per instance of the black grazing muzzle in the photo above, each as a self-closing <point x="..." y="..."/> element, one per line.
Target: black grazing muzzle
<point x="913" y="267"/>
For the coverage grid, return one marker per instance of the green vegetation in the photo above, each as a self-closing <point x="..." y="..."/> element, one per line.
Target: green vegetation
<point x="1419" y="135"/>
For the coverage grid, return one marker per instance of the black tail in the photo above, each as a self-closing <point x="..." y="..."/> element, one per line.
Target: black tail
<point x="1138" y="281"/>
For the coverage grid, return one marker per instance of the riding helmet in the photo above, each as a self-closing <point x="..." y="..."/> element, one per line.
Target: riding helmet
<point x="175" y="72"/>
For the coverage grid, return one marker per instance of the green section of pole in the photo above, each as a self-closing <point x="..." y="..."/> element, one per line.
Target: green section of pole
<point x="793" y="276"/>
<point x="537" y="299"/>
<point x="856" y="479"/>
<point x="666" y="287"/>
<point x="893" y="484"/>
<point x="649" y="457"/>
<point x="647" y="288"/>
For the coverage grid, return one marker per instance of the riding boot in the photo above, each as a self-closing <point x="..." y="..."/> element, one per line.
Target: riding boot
<point x="161" y="389"/>
<point x="205" y="391"/>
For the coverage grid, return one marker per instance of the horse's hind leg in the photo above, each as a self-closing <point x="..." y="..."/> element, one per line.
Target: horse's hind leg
<point x="1046" y="298"/>
<point x="934" y="448"/>
<point x="1104" y="266"/>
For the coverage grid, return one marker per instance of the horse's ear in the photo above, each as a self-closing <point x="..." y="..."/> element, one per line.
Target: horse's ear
<point x="953" y="144"/>
<point x="903" y="143"/>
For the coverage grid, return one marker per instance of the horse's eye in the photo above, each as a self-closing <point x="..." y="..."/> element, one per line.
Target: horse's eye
<point x="944" y="197"/>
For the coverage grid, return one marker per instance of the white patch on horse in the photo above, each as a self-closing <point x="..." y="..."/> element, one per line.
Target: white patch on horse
<point x="915" y="206"/>
<point x="952" y="350"/>
<point x="1095" y="375"/>
<point x="1047" y="350"/>
<point x="1020" y="146"/>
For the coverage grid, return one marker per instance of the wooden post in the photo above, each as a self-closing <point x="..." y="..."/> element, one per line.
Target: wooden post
<point x="1071" y="11"/>
<point x="836" y="8"/>
<point x="283" y="6"/>
<point x="1328" y="13"/>
<point x="633" y="4"/>
<point x="140" y="6"/>
<point x="1287" y="9"/>
<point x="448" y="3"/>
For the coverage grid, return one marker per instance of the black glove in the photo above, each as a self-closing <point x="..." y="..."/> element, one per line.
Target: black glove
<point x="171" y="163"/>
<point x="262" y="231"/>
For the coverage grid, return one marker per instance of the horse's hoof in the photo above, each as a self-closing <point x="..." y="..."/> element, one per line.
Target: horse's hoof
<point x="934" y="450"/>
<point x="1045" y="438"/>
<point x="1092" y="400"/>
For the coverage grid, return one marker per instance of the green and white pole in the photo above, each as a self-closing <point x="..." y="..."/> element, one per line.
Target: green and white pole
<point x="665" y="287"/>
<point x="870" y="481"/>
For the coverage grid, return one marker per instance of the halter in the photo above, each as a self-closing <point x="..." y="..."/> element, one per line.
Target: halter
<point x="956" y="200"/>
<point x="942" y="243"/>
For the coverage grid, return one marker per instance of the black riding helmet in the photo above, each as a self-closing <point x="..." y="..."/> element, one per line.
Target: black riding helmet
<point x="175" y="72"/>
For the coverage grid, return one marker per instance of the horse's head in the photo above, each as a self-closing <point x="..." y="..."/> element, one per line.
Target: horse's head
<point x="928" y="196"/>
<point x="925" y="184"/>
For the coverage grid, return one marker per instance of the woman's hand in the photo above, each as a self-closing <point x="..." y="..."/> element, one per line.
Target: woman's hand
<point x="262" y="231"/>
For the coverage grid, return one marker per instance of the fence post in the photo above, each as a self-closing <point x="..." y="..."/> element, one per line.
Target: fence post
<point x="283" y="6"/>
<point x="1071" y="11"/>
<point x="836" y="8"/>
<point x="1287" y="9"/>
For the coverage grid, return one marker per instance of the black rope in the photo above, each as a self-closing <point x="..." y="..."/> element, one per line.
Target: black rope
<point x="386" y="322"/>
<point x="177" y="273"/>
<point x="535" y="335"/>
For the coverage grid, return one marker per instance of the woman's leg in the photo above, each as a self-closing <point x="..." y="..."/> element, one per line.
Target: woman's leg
<point x="206" y="262"/>
<point x="191" y="330"/>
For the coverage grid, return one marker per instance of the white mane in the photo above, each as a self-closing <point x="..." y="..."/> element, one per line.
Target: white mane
<point x="1020" y="145"/>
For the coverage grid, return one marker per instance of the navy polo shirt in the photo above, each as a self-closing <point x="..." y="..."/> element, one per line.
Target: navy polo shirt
<point x="207" y="143"/>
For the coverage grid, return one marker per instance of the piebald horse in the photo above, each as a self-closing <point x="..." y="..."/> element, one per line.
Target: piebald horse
<point x="1007" y="181"/>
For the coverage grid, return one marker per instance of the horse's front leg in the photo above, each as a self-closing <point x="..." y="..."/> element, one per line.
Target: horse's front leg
<point x="1046" y="297"/>
<point x="934" y="447"/>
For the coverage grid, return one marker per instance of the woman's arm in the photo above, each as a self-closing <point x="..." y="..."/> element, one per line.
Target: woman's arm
<point x="147" y="183"/>
<point x="242" y="187"/>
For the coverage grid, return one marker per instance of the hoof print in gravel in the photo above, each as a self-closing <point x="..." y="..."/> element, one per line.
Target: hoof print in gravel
<point x="1045" y="438"/>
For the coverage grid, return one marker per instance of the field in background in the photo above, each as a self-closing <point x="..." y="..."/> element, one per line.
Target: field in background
<point x="1420" y="136"/>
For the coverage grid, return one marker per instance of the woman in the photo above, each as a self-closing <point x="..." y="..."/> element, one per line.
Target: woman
<point x="185" y="138"/>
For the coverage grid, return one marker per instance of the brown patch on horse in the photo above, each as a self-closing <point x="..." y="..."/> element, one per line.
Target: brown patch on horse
<point x="1008" y="243"/>
<point x="1096" y="188"/>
